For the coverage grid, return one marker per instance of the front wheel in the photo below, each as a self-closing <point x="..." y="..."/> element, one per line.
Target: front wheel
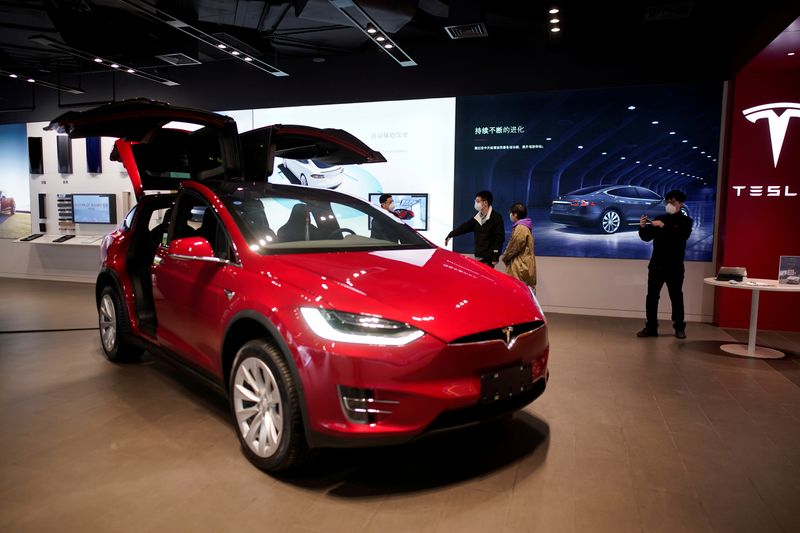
<point x="610" y="222"/>
<point x="113" y="321"/>
<point x="266" y="408"/>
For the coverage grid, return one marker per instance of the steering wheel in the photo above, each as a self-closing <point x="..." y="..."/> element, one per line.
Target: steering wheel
<point x="336" y="232"/>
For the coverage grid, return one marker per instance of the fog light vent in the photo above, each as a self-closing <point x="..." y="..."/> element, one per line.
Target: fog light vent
<point x="361" y="407"/>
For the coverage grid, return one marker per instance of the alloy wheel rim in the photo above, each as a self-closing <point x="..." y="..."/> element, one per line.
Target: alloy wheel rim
<point x="108" y="323"/>
<point x="257" y="406"/>
<point x="611" y="222"/>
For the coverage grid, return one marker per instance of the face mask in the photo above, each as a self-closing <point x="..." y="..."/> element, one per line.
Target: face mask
<point x="671" y="209"/>
<point x="511" y="218"/>
<point x="477" y="206"/>
<point x="390" y="207"/>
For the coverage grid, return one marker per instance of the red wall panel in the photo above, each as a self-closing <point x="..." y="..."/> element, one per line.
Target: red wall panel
<point x="761" y="216"/>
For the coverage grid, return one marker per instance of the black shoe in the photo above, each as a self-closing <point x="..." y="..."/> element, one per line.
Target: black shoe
<point x="647" y="332"/>
<point x="681" y="334"/>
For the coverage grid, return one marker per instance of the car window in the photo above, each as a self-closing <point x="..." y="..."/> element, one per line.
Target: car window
<point x="287" y="219"/>
<point x="624" y="192"/>
<point x="647" y="194"/>
<point x="192" y="216"/>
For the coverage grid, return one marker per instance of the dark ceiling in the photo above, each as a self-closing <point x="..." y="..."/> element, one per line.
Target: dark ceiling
<point x="329" y="59"/>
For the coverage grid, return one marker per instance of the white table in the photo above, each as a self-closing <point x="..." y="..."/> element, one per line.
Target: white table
<point x="755" y="285"/>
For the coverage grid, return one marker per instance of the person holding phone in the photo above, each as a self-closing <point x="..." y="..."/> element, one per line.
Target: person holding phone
<point x="669" y="233"/>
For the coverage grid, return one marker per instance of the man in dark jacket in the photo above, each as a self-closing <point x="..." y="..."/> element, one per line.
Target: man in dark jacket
<point x="669" y="234"/>
<point x="488" y="228"/>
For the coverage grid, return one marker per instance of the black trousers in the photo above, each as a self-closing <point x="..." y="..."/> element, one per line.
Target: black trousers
<point x="656" y="278"/>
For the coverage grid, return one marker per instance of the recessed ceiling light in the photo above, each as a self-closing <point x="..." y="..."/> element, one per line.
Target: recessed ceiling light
<point x="555" y="30"/>
<point x="548" y="139"/>
<point x="685" y="141"/>
<point x="672" y="133"/>
<point x="554" y="21"/>
<point x="248" y="59"/>
<point x="603" y="153"/>
<point x="649" y="164"/>
<point x="380" y="38"/>
<point x="553" y="11"/>
<point x="790" y="53"/>
<point x="221" y="46"/>
<point x="638" y="162"/>
<point x="654" y="122"/>
<point x="235" y="53"/>
<point x="13" y="75"/>
<point x="31" y="80"/>
<point x="702" y="152"/>
<point x="631" y="107"/>
<point x="623" y="157"/>
<point x="388" y="45"/>
<point x="130" y="71"/>
<point x="98" y="60"/>
<point x="114" y="65"/>
<point x="694" y="147"/>
<point x="371" y="30"/>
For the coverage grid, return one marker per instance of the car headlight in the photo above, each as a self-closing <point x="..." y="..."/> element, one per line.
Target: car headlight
<point x="357" y="328"/>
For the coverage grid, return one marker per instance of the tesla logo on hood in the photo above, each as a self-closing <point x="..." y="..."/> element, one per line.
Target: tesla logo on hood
<point x="507" y="331"/>
<point x="778" y="123"/>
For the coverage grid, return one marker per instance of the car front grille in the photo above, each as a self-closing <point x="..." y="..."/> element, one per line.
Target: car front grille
<point x="499" y="334"/>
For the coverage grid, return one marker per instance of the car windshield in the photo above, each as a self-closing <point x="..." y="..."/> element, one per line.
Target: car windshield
<point x="279" y="219"/>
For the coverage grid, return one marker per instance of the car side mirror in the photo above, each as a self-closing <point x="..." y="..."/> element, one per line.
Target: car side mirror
<point x="192" y="248"/>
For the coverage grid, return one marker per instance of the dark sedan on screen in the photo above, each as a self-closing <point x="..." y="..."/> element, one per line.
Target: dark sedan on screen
<point x="608" y="208"/>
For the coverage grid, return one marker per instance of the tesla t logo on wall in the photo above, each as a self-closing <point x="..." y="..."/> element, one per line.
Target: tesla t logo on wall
<point x="778" y="123"/>
<point x="778" y="116"/>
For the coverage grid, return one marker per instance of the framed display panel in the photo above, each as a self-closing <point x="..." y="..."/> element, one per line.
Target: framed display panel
<point x="35" y="158"/>
<point x="64" y="151"/>
<point x="409" y="207"/>
<point x="94" y="208"/>
<point x="94" y="164"/>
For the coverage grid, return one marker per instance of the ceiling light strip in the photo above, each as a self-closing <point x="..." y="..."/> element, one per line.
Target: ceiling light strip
<point x="156" y="14"/>
<point x="371" y="29"/>
<point x="113" y="65"/>
<point x="43" y="83"/>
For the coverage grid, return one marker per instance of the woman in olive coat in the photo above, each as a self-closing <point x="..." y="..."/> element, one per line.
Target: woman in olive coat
<point x="518" y="257"/>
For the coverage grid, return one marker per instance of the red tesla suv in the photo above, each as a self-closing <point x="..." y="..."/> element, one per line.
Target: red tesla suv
<point x="318" y="335"/>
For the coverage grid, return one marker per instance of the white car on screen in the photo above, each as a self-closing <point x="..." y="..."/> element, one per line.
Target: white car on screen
<point x="314" y="172"/>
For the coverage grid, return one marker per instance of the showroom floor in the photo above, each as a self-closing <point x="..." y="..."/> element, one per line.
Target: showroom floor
<point x="631" y="435"/>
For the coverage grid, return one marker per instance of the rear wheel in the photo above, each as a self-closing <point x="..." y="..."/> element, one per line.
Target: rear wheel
<point x="114" y="325"/>
<point x="266" y="408"/>
<point x="610" y="222"/>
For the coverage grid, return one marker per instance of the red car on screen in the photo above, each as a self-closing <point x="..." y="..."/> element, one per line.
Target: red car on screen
<point x="280" y="300"/>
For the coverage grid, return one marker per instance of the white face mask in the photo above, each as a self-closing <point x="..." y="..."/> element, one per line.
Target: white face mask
<point x="477" y="206"/>
<point x="671" y="209"/>
<point x="390" y="207"/>
<point x="511" y="218"/>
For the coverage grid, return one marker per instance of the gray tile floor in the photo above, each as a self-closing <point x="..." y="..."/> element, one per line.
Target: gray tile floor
<point x="631" y="435"/>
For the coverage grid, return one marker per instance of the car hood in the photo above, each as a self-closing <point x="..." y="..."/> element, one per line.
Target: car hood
<point x="438" y="291"/>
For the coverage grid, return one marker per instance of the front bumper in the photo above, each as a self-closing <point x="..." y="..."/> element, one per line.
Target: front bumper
<point x="414" y="389"/>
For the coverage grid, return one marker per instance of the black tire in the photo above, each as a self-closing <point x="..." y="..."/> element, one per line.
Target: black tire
<point x="114" y="327"/>
<point x="610" y="221"/>
<point x="268" y="367"/>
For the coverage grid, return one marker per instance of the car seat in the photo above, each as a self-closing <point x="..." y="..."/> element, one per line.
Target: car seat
<point x="298" y="227"/>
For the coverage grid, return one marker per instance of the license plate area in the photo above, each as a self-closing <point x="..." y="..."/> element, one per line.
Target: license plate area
<point x="505" y="383"/>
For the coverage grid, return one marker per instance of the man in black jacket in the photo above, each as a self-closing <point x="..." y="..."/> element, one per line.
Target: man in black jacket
<point x="669" y="234"/>
<point x="488" y="228"/>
